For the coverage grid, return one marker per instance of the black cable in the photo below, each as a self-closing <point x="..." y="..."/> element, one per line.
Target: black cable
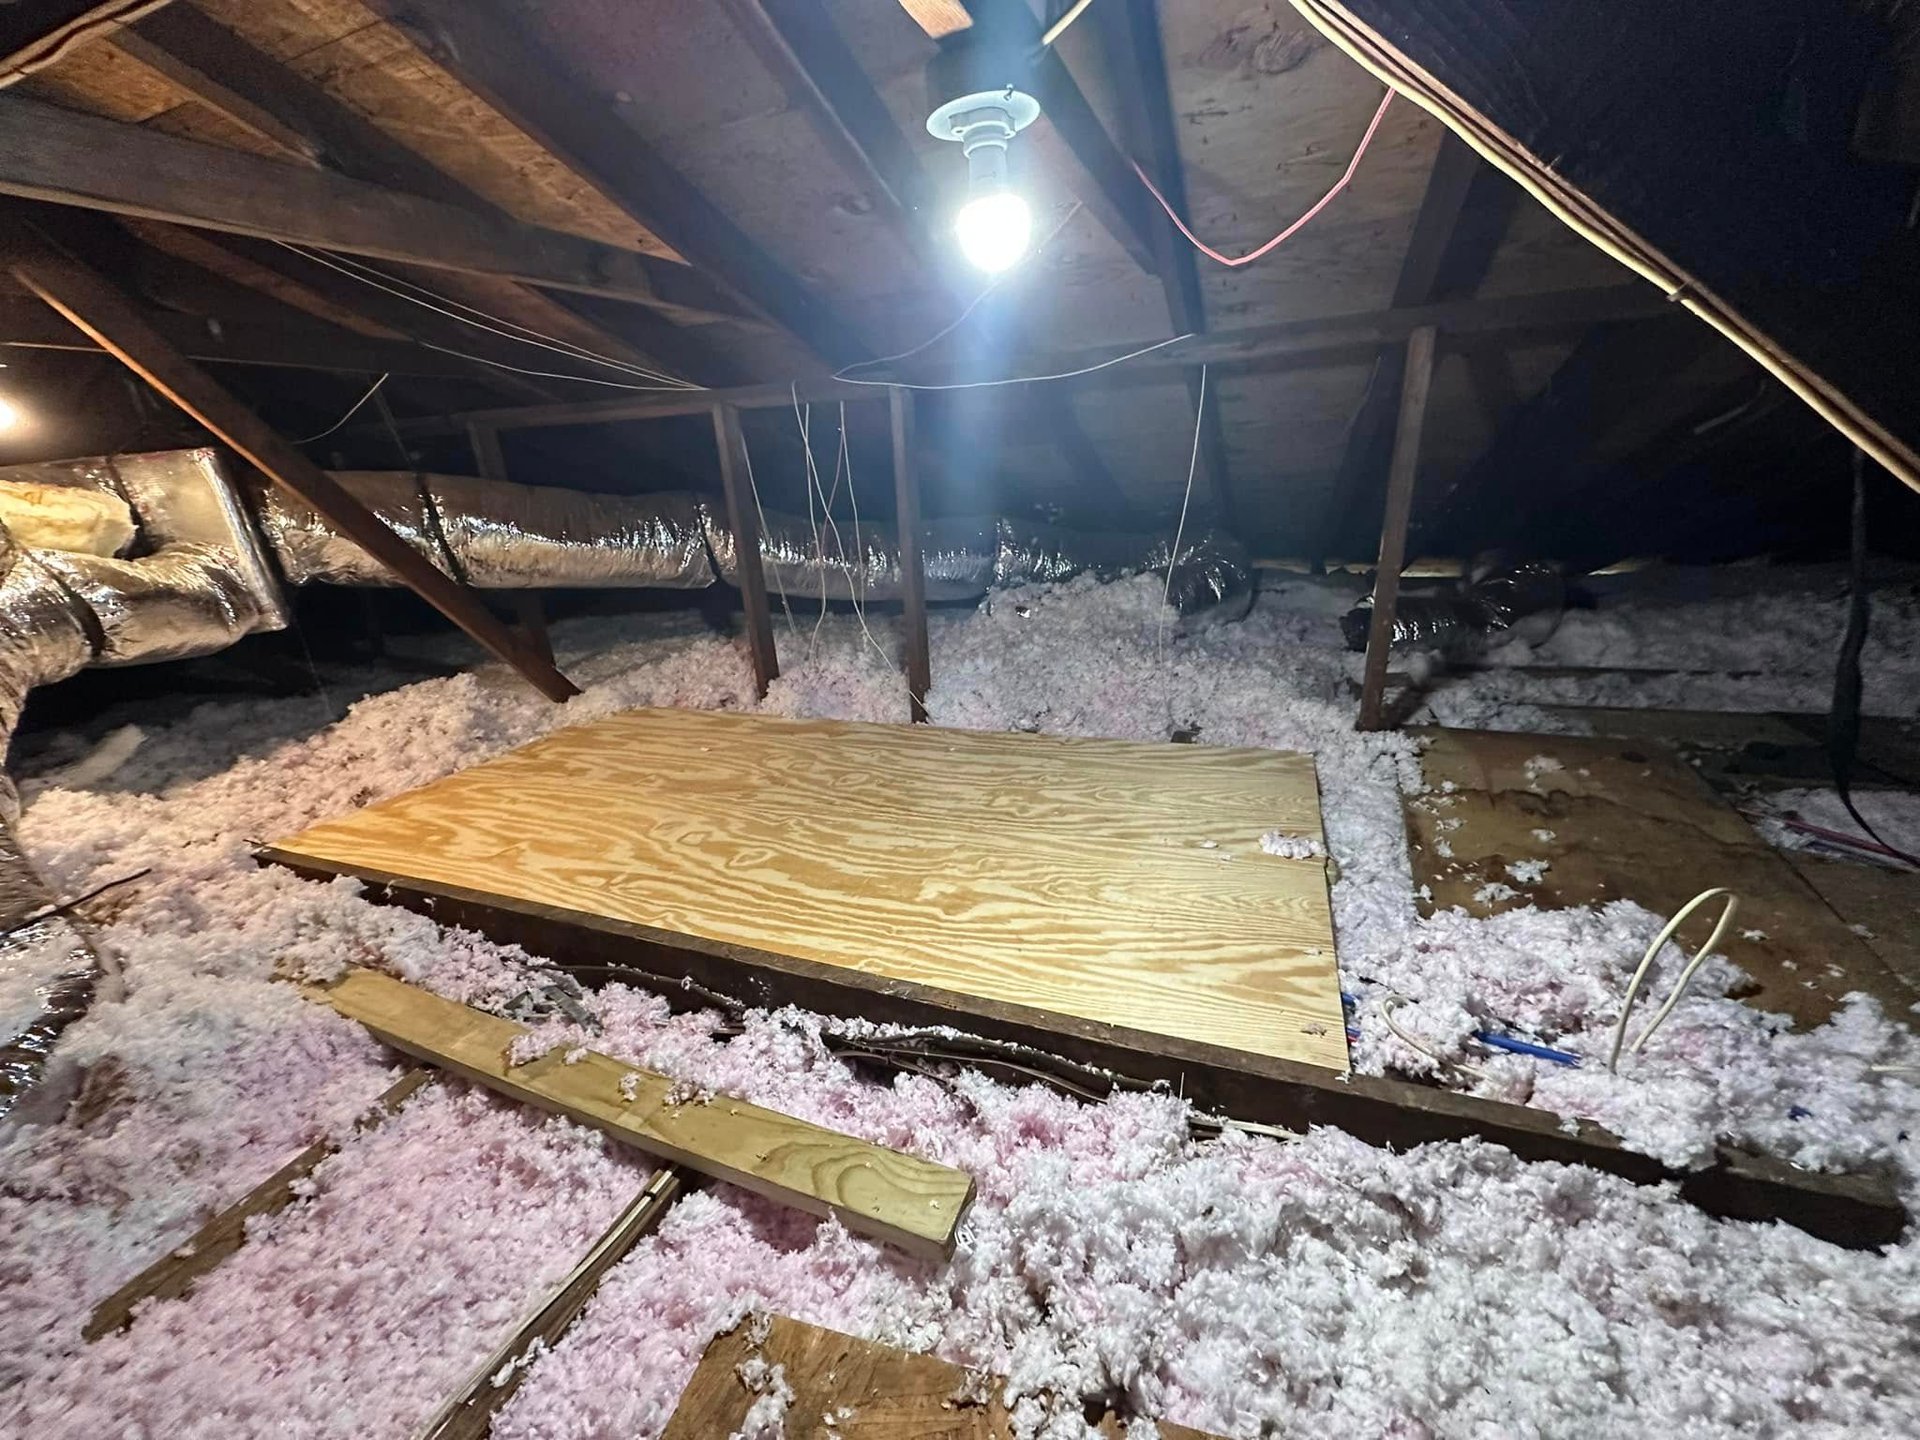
<point x="1843" y="719"/>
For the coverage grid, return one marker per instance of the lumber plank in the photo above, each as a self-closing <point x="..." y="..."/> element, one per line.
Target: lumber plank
<point x="1626" y="820"/>
<point x="1112" y="882"/>
<point x="913" y="584"/>
<point x="851" y="1388"/>
<point x="1416" y="385"/>
<point x="175" y="1274"/>
<point x="884" y="1194"/>
<point x="35" y="36"/>
<point x="939" y="18"/>
<point x="47" y="153"/>
<point x="469" y="1415"/>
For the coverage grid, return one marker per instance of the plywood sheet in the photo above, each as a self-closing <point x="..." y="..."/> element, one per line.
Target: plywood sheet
<point x="848" y="1389"/>
<point x="1107" y="881"/>
<point x="1623" y="819"/>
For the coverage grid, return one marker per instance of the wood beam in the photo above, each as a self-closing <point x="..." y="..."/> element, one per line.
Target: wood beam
<point x="743" y="519"/>
<point x="913" y="584"/>
<point x="491" y="57"/>
<point x="1393" y="533"/>
<point x="93" y="305"/>
<point x="802" y="49"/>
<point x="277" y="103"/>
<point x="939" y="18"/>
<point x="1439" y="253"/>
<point x="26" y="324"/>
<point x="1136" y="57"/>
<point x="1336" y="340"/>
<point x="35" y="36"/>
<point x="1101" y="177"/>
<point x="47" y="153"/>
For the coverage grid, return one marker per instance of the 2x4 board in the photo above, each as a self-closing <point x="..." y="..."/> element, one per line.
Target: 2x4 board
<point x="1109" y="883"/>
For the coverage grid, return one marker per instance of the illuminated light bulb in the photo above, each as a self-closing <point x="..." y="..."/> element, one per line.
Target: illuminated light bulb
<point x="10" y="415"/>
<point x="994" y="230"/>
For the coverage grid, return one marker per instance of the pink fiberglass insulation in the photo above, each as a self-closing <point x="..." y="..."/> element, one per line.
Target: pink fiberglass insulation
<point x="360" y="1310"/>
<point x="1242" y="1285"/>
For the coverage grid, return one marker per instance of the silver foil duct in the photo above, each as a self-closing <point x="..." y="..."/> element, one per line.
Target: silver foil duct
<point x="43" y="637"/>
<point x="50" y="948"/>
<point x="1523" y="602"/>
<point x="964" y="558"/>
<point x="497" y="535"/>
<point x="184" y="601"/>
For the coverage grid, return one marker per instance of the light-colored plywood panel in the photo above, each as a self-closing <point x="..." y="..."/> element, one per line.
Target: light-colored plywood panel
<point x="1106" y="881"/>
<point x="850" y="1389"/>
<point x="886" y="1194"/>
<point x="1625" y="820"/>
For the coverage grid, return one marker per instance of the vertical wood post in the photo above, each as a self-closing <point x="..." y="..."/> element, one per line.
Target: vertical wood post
<point x="913" y="585"/>
<point x="529" y="614"/>
<point x="112" y="321"/>
<point x="743" y="519"/>
<point x="1414" y="390"/>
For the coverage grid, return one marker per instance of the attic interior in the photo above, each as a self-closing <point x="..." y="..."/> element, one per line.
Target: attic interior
<point x="996" y="718"/>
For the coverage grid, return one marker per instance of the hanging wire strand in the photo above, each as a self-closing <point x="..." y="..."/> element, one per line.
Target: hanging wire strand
<point x="352" y="410"/>
<point x="1286" y="234"/>
<point x="492" y="324"/>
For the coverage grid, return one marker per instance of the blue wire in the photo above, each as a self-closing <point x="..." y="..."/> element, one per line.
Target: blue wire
<point x="1523" y="1047"/>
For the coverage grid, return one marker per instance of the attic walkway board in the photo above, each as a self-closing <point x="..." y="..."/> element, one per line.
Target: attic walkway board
<point x="1861" y="1211"/>
<point x="1096" y="883"/>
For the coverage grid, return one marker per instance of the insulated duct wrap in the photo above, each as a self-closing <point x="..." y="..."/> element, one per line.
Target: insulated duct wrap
<point x="53" y="951"/>
<point x="497" y="535"/>
<point x="1524" y="602"/>
<point x="964" y="558"/>
<point x="43" y="638"/>
<point x="186" y="600"/>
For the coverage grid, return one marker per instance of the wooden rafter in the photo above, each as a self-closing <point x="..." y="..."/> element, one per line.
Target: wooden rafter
<point x="96" y="307"/>
<point x="1442" y="255"/>
<point x="47" y="153"/>
<point x="939" y="18"/>
<point x="35" y="36"/>
<point x="1136" y="54"/>
<point x="489" y="55"/>
<point x="1337" y="340"/>
<point x="1101" y="177"/>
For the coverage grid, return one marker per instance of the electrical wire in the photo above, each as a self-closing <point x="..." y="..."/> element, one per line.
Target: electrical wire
<point x="1026" y="379"/>
<point x="1059" y="27"/>
<point x="1286" y="234"/>
<point x="1394" y="1002"/>
<point x="747" y="456"/>
<point x="352" y="410"/>
<point x="375" y="279"/>
<point x="495" y="324"/>
<point x="1179" y="533"/>
<point x="546" y="374"/>
<point x="1686" y="975"/>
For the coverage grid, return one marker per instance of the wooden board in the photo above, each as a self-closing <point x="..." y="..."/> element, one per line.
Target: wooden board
<point x="1626" y="820"/>
<point x="1105" y="881"/>
<point x="874" y="1191"/>
<point x="848" y="1389"/>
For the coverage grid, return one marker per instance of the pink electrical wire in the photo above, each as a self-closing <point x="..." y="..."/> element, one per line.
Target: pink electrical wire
<point x="1247" y="259"/>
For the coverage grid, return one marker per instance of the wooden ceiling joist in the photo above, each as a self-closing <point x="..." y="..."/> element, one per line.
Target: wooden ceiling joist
<point x="94" y="306"/>
<point x="488" y="54"/>
<point x="28" y="325"/>
<point x="1101" y="178"/>
<point x="1440" y="253"/>
<point x="47" y="153"/>
<point x="1130" y="32"/>
<point x="1339" y="340"/>
<point x="35" y="36"/>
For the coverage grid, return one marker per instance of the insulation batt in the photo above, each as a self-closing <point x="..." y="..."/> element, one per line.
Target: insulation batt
<point x="1246" y="1286"/>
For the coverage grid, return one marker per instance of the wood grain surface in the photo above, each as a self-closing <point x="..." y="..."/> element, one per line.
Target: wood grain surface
<point x="848" y="1389"/>
<point x="885" y="1194"/>
<point x="1623" y="819"/>
<point x="1109" y="881"/>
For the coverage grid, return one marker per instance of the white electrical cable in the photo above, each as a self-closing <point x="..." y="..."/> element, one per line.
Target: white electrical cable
<point x="500" y="326"/>
<point x="753" y="489"/>
<point x="1394" y="1002"/>
<point x="1686" y="975"/>
<point x="1027" y="379"/>
<point x="497" y="324"/>
<point x="352" y="410"/>
<point x="548" y="374"/>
